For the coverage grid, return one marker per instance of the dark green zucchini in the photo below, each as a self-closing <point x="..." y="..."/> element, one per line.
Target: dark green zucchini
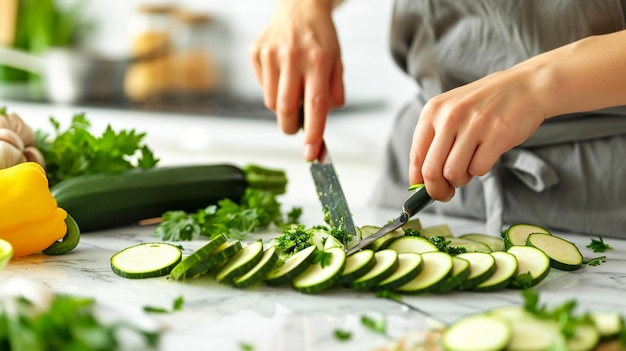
<point x="108" y="200"/>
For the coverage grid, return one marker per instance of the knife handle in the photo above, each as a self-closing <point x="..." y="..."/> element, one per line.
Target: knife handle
<point x="417" y="201"/>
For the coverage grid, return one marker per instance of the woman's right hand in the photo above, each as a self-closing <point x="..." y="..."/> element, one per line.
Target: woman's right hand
<point x="297" y="59"/>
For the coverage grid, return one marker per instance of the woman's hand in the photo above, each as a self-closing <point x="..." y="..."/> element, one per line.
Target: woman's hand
<point x="297" y="59"/>
<point x="462" y="133"/>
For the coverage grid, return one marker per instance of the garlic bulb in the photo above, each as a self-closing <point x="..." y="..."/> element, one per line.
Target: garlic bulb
<point x="17" y="142"/>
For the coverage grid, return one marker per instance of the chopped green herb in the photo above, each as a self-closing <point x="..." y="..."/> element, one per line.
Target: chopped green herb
<point x="598" y="245"/>
<point x="376" y="325"/>
<point x="3" y="110"/>
<point x="443" y="245"/>
<point x="293" y="239"/>
<point x="293" y="216"/>
<point x="595" y="261"/>
<point x="243" y="346"/>
<point x="341" y="235"/>
<point x="342" y="335"/>
<point x="178" y="303"/>
<point x="523" y="280"/>
<point x="322" y="257"/>
<point x="411" y="232"/>
<point x="152" y="309"/>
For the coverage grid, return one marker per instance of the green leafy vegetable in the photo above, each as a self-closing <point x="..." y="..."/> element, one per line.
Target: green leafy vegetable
<point x="322" y="257"/>
<point x="376" y="325"/>
<point x="75" y="151"/>
<point x="341" y="235"/>
<point x="598" y="245"/>
<point x="342" y="335"/>
<point x="258" y="209"/>
<point x="69" y="323"/>
<point x="411" y="232"/>
<point x="523" y="280"/>
<point x="177" y="305"/>
<point x="443" y="245"/>
<point x="243" y="346"/>
<point x="292" y="240"/>
<point x="595" y="261"/>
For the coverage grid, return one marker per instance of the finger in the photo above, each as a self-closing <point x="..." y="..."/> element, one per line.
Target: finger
<point x="255" y="59"/>
<point x="422" y="138"/>
<point x="484" y="158"/>
<point x="289" y="94"/>
<point x="336" y="90"/>
<point x="270" y="72"/>
<point x="455" y="168"/>
<point x="315" y="107"/>
<point x="432" y="170"/>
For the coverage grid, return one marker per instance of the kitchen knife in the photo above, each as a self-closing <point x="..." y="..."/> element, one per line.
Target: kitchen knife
<point x="329" y="191"/>
<point x="412" y="206"/>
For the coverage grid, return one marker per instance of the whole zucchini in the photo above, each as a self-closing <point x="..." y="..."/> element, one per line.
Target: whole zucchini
<point x="108" y="200"/>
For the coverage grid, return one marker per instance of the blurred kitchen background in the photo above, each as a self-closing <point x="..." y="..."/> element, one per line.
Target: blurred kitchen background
<point x="187" y="56"/>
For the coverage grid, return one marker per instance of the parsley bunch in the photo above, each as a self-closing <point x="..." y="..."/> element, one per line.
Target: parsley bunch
<point x="257" y="209"/>
<point x="75" y="151"/>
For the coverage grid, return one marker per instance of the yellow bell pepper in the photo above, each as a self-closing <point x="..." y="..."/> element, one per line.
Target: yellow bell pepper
<point x="30" y="217"/>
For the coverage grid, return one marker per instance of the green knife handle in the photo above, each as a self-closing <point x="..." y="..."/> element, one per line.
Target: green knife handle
<point x="417" y="201"/>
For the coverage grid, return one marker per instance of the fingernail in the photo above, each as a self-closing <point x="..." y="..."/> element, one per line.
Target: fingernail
<point x="309" y="152"/>
<point x="449" y="197"/>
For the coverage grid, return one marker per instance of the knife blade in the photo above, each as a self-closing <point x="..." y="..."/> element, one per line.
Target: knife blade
<point x="415" y="203"/>
<point x="331" y="195"/>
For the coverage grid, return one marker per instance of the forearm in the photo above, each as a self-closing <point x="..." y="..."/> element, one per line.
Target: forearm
<point x="586" y="75"/>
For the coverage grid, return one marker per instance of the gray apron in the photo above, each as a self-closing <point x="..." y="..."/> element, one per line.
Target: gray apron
<point x="571" y="174"/>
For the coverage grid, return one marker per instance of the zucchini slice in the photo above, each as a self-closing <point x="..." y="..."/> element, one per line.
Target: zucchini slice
<point x="477" y="332"/>
<point x="382" y="242"/>
<point x="460" y="272"/>
<point x="147" y="260"/>
<point x="534" y="334"/>
<point x="409" y="266"/>
<point x="437" y="268"/>
<point x="608" y="323"/>
<point x="495" y="243"/>
<point x="189" y="266"/>
<point x="564" y="255"/>
<point x="482" y="266"/>
<point x="530" y="260"/>
<point x="218" y="258"/>
<point x="585" y="338"/>
<point x="292" y="267"/>
<point x="386" y="264"/>
<point x="468" y="244"/>
<point x="518" y="233"/>
<point x="317" y="277"/>
<point x="436" y="230"/>
<point x="244" y="260"/>
<point x="260" y="271"/>
<point x="357" y="264"/>
<point x="413" y="223"/>
<point x="506" y="270"/>
<point x="412" y="244"/>
<point x="331" y="242"/>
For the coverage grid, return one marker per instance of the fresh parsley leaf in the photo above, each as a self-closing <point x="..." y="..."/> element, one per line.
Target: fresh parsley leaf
<point x="389" y="294"/>
<point x="152" y="309"/>
<point x="243" y="346"/>
<point x="376" y="325"/>
<point x="178" y="303"/>
<point x="531" y="302"/>
<point x="411" y="232"/>
<point x="75" y="151"/>
<point x="443" y="245"/>
<point x="293" y="216"/>
<point x="598" y="245"/>
<point x="177" y="226"/>
<point x="523" y="280"/>
<point x="322" y="257"/>
<point x="595" y="261"/>
<point x="342" y="335"/>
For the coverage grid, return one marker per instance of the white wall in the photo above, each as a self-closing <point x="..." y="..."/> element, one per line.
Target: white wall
<point x="363" y="27"/>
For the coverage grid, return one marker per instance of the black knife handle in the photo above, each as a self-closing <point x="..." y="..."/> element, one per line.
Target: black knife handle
<point x="417" y="201"/>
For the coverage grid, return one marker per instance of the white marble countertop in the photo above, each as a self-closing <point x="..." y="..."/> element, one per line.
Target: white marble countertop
<point x="218" y="317"/>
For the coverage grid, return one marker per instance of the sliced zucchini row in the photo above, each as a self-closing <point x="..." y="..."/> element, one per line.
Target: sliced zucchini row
<point x="530" y="260"/>
<point x="412" y="244"/>
<point x="191" y="262"/>
<point x="468" y="244"/>
<point x="460" y="272"/>
<point x="291" y="267"/>
<point x="386" y="264"/>
<point x="517" y="234"/>
<point x="357" y="265"/>
<point x="409" y="266"/>
<point x="319" y="277"/>
<point x="241" y="262"/>
<point x="482" y="266"/>
<point x="146" y="260"/>
<point x="259" y="271"/>
<point x="494" y="243"/>
<point x="437" y="268"/>
<point x="506" y="270"/>
<point x="564" y="255"/>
